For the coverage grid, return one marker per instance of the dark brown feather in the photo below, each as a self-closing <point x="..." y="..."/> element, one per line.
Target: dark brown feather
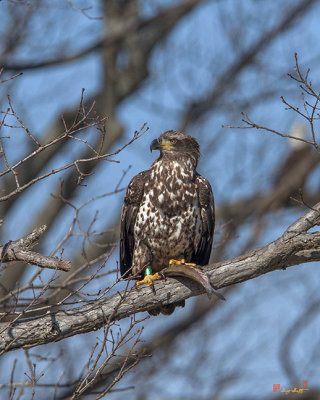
<point x="129" y="214"/>
<point x="202" y="253"/>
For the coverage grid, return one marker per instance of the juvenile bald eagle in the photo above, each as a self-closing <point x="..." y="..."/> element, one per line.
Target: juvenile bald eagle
<point x="168" y="213"/>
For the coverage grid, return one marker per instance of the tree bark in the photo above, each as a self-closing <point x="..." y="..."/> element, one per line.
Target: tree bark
<point x="294" y="247"/>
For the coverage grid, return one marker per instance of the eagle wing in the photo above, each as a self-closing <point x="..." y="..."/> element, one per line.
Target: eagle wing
<point x="128" y="218"/>
<point x="202" y="252"/>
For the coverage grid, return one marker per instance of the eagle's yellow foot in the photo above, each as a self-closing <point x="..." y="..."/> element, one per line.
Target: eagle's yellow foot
<point x="180" y="262"/>
<point x="149" y="279"/>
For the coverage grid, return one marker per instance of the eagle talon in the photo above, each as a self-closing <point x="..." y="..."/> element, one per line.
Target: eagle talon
<point x="163" y="276"/>
<point x="149" y="279"/>
<point x="180" y="262"/>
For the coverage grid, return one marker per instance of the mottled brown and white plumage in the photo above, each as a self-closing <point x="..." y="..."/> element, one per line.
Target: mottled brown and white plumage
<point x="168" y="211"/>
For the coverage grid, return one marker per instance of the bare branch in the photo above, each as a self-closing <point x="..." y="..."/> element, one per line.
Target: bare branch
<point x="75" y="163"/>
<point x="251" y="124"/>
<point x="19" y="251"/>
<point x="310" y="113"/>
<point x="280" y="254"/>
<point x="11" y="77"/>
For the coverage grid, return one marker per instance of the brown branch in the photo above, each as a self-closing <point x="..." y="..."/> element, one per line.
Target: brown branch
<point x="252" y="125"/>
<point x="311" y="118"/>
<point x="280" y="254"/>
<point x="10" y="78"/>
<point x="19" y="250"/>
<point x="75" y="163"/>
<point x="151" y="30"/>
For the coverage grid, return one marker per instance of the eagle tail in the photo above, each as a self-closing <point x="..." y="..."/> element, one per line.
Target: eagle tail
<point x="168" y="309"/>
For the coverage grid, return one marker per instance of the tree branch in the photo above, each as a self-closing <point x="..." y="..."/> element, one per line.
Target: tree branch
<point x="19" y="250"/>
<point x="295" y="246"/>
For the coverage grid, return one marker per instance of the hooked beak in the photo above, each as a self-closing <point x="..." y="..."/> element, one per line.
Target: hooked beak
<point x="158" y="144"/>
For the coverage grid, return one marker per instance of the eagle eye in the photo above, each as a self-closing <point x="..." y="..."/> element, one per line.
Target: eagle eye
<point x="173" y="141"/>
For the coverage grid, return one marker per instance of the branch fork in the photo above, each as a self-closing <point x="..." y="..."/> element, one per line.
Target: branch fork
<point x="19" y="250"/>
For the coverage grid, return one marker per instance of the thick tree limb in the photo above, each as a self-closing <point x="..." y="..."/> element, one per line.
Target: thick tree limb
<point x="295" y="246"/>
<point x="19" y="250"/>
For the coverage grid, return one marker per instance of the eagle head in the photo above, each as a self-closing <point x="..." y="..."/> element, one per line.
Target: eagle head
<point x="176" y="145"/>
